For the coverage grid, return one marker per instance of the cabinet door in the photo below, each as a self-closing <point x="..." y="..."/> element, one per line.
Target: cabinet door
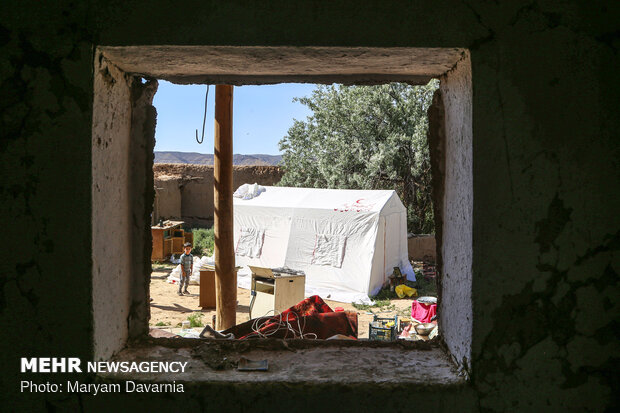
<point x="289" y="291"/>
<point x="158" y="246"/>
<point x="177" y="245"/>
<point x="263" y="305"/>
<point x="207" y="289"/>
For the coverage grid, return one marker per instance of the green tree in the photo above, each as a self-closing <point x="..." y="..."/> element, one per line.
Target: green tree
<point x="365" y="137"/>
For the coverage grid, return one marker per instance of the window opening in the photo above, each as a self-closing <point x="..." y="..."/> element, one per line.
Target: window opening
<point x="395" y="113"/>
<point x="119" y="308"/>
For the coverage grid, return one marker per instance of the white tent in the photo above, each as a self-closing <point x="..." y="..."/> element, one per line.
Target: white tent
<point x="346" y="241"/>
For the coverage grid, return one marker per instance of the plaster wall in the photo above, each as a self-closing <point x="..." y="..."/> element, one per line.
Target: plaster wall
<point x="123" y="141"/>
<point x="141" y="195"/>
<point x="436" y="144"/>
<point x="455" y="306"/>
<point x="546" y="232"/>
<point x="457" y="179"/>
<point x="111" y="213"/>
<point x="263" y="64"/>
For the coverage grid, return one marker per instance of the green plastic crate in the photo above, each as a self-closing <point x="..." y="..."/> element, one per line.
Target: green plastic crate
<point x="378" y="330"/>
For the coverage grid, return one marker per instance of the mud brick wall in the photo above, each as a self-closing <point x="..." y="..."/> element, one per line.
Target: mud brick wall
<point x="421" y="247"/>
<point x="185" y="191"/>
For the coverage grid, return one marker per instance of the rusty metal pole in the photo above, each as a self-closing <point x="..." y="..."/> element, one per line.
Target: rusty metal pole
<point x="225" y="274"/>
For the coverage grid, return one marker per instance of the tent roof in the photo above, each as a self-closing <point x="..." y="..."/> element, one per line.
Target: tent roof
<point x="356" y="200"/>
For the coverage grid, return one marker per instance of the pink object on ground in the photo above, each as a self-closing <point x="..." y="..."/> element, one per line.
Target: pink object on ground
<point x="406" y="331"/>
<point x="338" y="309"/>
<point x="423" y="312"/>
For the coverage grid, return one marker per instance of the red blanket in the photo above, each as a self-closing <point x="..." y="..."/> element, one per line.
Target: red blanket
<point x="310" y="318"/>
<point x="423" y="312"/>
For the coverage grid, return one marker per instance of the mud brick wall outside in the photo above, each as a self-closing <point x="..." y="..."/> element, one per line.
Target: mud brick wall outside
<point x="185" y="191"/>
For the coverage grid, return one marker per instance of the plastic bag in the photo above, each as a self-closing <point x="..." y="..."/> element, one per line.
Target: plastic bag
<point x="194" y="279"/>
<point x="403" y="290"/>
<point x="249" y="191"/>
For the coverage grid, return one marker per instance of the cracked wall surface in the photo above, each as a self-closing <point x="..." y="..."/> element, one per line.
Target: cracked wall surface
<point x="455" y="305"/>
<point x="546" y="232"/>
<point x="111" y="208"/>
<point x="122" y="161"/>
<point x="141" y="196"/>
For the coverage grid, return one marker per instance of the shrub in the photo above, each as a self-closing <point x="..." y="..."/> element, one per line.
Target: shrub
<point x="195" y="320"/>
<point x="203" y="241"/>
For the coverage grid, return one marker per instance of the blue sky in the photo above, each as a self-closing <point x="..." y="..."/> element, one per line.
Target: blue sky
<point x="262" y="115"/>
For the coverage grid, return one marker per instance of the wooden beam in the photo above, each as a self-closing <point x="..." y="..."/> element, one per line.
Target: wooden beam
<point x="225" y="274"/>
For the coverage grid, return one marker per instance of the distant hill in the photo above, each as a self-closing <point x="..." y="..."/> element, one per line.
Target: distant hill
<point x="207" y="159"/>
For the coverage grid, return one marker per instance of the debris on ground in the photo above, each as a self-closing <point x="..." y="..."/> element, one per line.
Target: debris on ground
<point x="245" y="364"/>
<point x="169" y="311"/>
<point x="216" y="356"/>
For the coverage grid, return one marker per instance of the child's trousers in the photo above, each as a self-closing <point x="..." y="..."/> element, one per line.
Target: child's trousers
<point x="184" y="280"/>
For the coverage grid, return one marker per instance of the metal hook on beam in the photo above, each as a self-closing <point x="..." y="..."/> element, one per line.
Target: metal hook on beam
<point x="204" y="119"/>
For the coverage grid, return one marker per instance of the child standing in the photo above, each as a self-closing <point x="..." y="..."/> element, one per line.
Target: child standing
<point x="187" y="262"/>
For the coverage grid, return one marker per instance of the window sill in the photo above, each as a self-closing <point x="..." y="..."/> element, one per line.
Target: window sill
<point x="296" y="362"/>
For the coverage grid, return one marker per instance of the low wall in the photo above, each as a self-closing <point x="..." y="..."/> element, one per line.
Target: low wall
<point x="185" y="191"/>
<point x="421" y="246"/>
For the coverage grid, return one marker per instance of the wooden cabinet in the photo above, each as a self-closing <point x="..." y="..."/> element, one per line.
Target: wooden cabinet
<point x="177" y="245"/>
<point x="207" y="288"/>
<point x="168" y="239"/>
<point x="274" y="293"/>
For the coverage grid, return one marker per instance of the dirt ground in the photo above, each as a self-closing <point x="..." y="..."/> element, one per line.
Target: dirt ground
<point x="169" y="309"/>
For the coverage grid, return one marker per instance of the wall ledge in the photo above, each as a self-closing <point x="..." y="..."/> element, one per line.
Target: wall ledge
<point x="296" y="362"/>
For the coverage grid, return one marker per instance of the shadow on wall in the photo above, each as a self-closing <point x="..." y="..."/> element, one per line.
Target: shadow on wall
<point x="185" y="191"/>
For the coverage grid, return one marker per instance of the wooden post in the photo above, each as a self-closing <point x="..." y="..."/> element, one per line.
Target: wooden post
<point x="225" y="274"/>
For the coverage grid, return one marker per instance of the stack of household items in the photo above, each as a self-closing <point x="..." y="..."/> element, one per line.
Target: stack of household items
<point x="311" y="318"/>
<point x="421" y="326"/>
<point x="423" y="323"/>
